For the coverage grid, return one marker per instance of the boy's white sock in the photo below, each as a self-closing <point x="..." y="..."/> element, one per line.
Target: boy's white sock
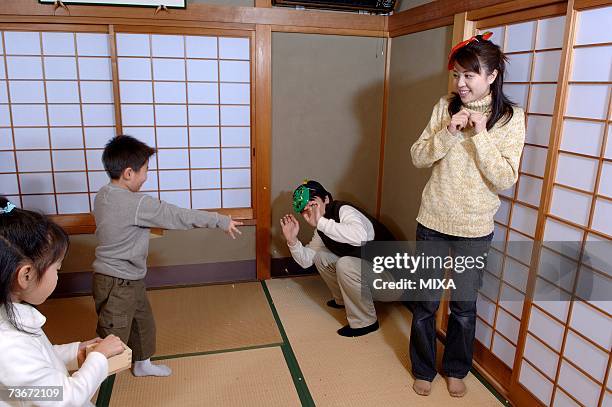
<point x="146" y="368"/>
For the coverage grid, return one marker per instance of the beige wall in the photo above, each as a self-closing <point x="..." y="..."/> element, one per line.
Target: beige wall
<point x="326" y="119"/>
<point x="418" y="79"/>
<point x="175" y="247"/>
<point x="236" y="3"/>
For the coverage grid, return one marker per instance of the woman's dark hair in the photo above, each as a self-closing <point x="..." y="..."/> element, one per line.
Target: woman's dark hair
<point x="26" y="238"/>
<point x="124" y="152"/>
<point x="484" y="55"/>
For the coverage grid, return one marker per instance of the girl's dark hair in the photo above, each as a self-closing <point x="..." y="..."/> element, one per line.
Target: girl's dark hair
<point x="26" y="238"/>
<point x="484" y="55"/>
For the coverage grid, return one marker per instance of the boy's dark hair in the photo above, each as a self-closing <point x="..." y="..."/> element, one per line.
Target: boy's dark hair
<point x="485" y="55"/>
<point x="26" y="238"/>
<point x="317" y="190"/>
<point x="124" y="152"/>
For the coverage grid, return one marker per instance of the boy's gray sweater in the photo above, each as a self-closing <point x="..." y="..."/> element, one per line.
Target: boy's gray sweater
<point x="123" y="219"/>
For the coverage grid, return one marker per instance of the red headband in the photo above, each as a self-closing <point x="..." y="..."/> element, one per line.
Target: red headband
<point x="485" y="36"/>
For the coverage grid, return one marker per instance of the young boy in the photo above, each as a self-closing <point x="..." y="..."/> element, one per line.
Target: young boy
<point x="341" y="229"/>
<point x="123" y="218"/>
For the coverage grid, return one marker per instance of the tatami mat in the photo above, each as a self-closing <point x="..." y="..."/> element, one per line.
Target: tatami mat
<point x="256" y="377"/>
<point x="372" y="370"/>
<point x="189" y="320"/>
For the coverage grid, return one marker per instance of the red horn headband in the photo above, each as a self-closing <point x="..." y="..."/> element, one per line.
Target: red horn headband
<point x="485" y="36"/>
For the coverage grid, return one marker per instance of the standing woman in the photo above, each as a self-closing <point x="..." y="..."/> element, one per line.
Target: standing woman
<point x="473" y="141"/>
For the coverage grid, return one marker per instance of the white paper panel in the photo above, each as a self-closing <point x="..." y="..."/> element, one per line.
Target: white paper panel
<point x="557" y="269"/>
<point x="203" y="115"/>
<point x="504" y="350"/>
<point x="97" y="180"/>
<point x="586" y="356"/>
<point x="592" y="26"/>
<point x="534" y="160"/>
<point x="516" y="274"/>
<point x="70" y="182"/>
<point x="498" y="35"/>
<point x="137" y="115"/>
<point x="529" y="190"/>
<point x="592" y="64"/>
<point x="507" y="325"/>
<point x="484" y="333"/>
<point x="171" y="115"/>
<point x="602" y="218"/>
<point x="201" y="47"/>
<point x="174" y="180"/>
<point x="236" y="157"/>
<point x="64" y="115"/>
<point x="517" y="94"/>
<point x="547" y="329"/>
<point x="520" y="37"/>
<point x="570" y="205"/>
<point x="202" y="70"/>
<point x="503" y="212"/>
<point x="73" y="203"/>
<point x="7" y="161"/>
<point x="178" y="198"/>
<point x="206" y="199"/>
<point x="27" y="92"/>
<point x="542" y="99"/>
<point x="173" y="159"/>
<point x="172" y="137"/>
<point x="524" y="219"/>
<point x="40" y="203"/>
<point x="168" y="46"/>
<point x="494" y="263"/>
<point x="235" y="93"/>
<point x="5" y="119"/>
<point x="8" y="184"/>
<point x="588" y="101"/>
<point x="538" y="130"/>
<point x="512" y="300"/>
<point x="204" y="136"/>
<point x="68" y="160"/>
<point x="22" y="43"/>
<point x="90" y="44"/>
<point x="32" y="138"/>
<point x="66" y="137"/>
<point x="24" y="67"/>
<point x="57" y="43"/>
<point x="557" y="231"/>
<point x="236" y="198"/>
<point x="578" y="172"/>
<point x="234" y="71"/>
<point x="238" y="178"/>
<point x="170" y="92"/>
<point x="499" y="237"/>
<point x="520" y="247"/>
<point x="144" y="134"/>
<point x="578" y="385"/>
<point x="63" y="92"/>
<point x="234" y="48"/>
<point x="94" y="159"/>
<point x="29" y="115"/>
<point x="235" y="115"/>
<point x="134" y="68"/>
<point x="546" y="68"/>
<point x="541" y="356"/>
<point x="3" y="93"/>
<point x="203" y="92"/>
<point x="151" y="184"/>
<point x="205" y="179"/>
<point x="592" y="324"/>
<point x="60" y="68"/>
<point x="518" y="68"/>
<point x="168" y="69"/>
<point x="136" y="92"/>
<point x="582" y="137"/>
<point x="99" y="115"/>
<point x="563" y="400"/>
<point x="97" y="92"/>
<point x="36" y="183"/>
<point x="550" y="33"/>
<point x="605" y="183"/>
<point x="33" y="161"/>
<point x="559" y="306"/>
<point x="597" y="253"/>
<point x="485" y="309"/>
<point x="205" y="158"/>
<point x="96" y="68"/>
<point x="538" y="385"/>
<point x="133" y="45"/>
<point x="6" y="139"/>
<point x="608" y="152"/>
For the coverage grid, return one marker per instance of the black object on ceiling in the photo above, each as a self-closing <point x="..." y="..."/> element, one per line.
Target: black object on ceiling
<point x="373" y="6"/>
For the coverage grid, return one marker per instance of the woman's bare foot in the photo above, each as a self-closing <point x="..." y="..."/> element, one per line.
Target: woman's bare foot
<point x="456" y="387"/>
<point x="421" y="387"/>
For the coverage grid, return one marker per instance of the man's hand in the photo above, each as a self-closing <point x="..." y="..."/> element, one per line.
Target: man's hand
<point x="314" y="211"/>
<point x="290" y="227"/>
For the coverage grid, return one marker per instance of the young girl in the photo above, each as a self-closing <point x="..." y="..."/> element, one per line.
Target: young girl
<point x="32" y="248"/>
<point x="473" y="142"/>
